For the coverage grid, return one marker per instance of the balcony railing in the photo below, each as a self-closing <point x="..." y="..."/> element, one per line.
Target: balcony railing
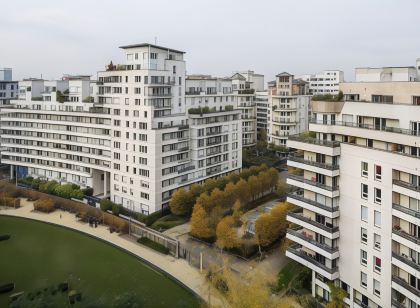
<point x="299" y="215"/>
<point x="310" y="140"/>
<point x="407" y="260"/>
<point x="298" y="233"/>
<point x="313" y="183"/>
<point x="406" y="235"/>
<point x="294" y="250"/>
<point x="300" y="159"/>
<point x="405" y="285"/>
<point x="312" y="202"/>
<point x="368" y="126"/>
<point x="406" y="210"/>
<point x="406" y="185"/>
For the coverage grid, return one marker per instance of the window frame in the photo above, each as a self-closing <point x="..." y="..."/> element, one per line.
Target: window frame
<point x="364" y="173"/>
<point x="364" y="195"/>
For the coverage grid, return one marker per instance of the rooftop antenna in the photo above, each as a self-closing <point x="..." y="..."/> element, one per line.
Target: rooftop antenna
<point x="155" y="40"/>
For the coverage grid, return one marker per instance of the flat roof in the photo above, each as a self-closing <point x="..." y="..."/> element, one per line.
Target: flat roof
<point x="150" y="45"/>
<point x="378" y="68"/>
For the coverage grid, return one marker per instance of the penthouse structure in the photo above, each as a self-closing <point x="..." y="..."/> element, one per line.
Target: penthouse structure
<point x="8" y="87"/>
<point x="358" y="191"/>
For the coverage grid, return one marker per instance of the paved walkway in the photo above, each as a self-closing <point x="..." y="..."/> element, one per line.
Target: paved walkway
<point x="177" y="268"/>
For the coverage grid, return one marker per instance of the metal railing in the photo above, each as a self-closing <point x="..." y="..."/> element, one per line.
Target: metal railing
<point x="313" y="183"/>
<point x="407" y="236"/>
<point x="406" y="210"/>
<point x="406" y="260"/>
<point x="299" y="215"/>
<point x="312" y="202"/>
<point x="295" y="232"/>
<point x="389" y="129"/>
<point x="300" y="159"/>
<point x="405" y="285"/>
<point x="310" y="140"/>
<point x="406" y="185"/>
<point x="293" y="249"/>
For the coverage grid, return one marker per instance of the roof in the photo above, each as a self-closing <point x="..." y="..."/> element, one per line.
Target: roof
<point x="284" y="74"/>
<point x="379" y="68"/>
<point x="238" y="76"/>
<point x="150" y="45"/>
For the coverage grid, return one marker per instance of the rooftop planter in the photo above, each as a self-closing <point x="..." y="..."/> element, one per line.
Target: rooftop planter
<point x="328" y="97"/>
<point x="203" y="110"/>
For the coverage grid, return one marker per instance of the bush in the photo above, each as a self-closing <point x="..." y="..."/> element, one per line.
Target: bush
<point x="45" y="205"/>
<point x="106" y="204"/>
<point x="115" y="209"/>
<point x="49" y="187"/>
<point x="4" y="237"/>
<point x="88" y="191"/>
<point x="156" y="246"/>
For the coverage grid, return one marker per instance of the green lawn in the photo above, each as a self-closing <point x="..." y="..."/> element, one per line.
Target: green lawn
<point x="39" y="256"/>
<point x="288" y="273"/>
<point x="167" y="222"/>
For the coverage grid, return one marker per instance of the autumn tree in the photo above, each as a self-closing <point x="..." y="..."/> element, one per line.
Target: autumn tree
<point x="200" y="223"/>
<point x="181" y="202"/>
<point x="242" y="192"/>
<point x="196" y="190"/>
<point x="205" y="201"/>
<point x="274" y="177"/>
<point x="237" y="212"/>
<point x="209" y="185"/>
<point x="245" y="174"/>
<point x="254" y="186"/>
<point x="233" y="177"/>
<point x="226" y="233"/>
<point x="230" y="191"/>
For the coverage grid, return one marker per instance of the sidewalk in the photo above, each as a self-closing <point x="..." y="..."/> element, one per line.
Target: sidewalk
<point x="177" y="268"/>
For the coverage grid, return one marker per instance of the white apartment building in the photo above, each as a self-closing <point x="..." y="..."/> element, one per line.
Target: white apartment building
<point x="288" y="103"/>
<point x="326" y="82"/>
<point x="213" y="92"/>
<point x="263" y="110"/>
<point x="358" y="195"/>
<point x="392" y="73"/>
<point x="8" y="87"/>
<point x="129" y="135"/>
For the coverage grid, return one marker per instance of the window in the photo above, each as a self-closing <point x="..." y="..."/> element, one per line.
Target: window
<point x="364" y="213"/>
<point x="363" y="280"/>
<point x="378" y="172"/>
<point x="364" y="191"/>
<point x="377" y="241"/>
<point x="376" y="287"/>
<point x="377" y="263"/>
<point x="363" y="257"/>
<point x="378" y="195"/>
<point x="364" y="169"/>
<point x="363" y="235"/>
<point x="377" y="218"/>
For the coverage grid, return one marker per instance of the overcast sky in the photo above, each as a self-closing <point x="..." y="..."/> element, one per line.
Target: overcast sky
<point x="218" y="36"/>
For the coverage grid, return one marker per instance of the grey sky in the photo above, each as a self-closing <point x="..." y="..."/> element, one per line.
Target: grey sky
<point x="219" y="36"/>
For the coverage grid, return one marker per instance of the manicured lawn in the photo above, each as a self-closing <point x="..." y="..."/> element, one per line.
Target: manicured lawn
<point x="167" y="222"/>
<point x="288" y="273"/>
<point x="39" y="256"/>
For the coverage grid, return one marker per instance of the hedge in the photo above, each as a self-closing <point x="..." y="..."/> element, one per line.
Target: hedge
<point x="67" y="190"/>
<point x="156" y="246"/>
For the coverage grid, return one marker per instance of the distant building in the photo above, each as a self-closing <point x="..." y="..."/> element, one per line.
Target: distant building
<point x="8" y="88"/>
<point x="326" y="82"/>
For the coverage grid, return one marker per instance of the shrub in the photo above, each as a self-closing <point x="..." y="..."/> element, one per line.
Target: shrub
<point x="115" y="209"/>
<point x="45" y="205"/>
<point x="106" y="204"/>
<point x="4" y="237"/>
<point x="156" y="246"/>
<point x="36" y="183"/>
<point x="49" y="187"/>
<point x="88" y="191"/>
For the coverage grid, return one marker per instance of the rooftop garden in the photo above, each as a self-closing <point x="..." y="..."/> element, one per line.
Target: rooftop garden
<point x="329" y="97"/>
<point x="202" y="110"/>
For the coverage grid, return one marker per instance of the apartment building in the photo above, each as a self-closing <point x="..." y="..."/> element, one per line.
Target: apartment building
<point x="237" y="91"/>
<point x="128" y="135"/>
<point x="8" y="87"/>
<point x="326" y="82"/>
<point x="358" y="193"/>
<point x="288" y="103"/>
<point x="261" y="99"/>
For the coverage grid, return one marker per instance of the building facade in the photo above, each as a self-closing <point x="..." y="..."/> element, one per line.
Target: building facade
<point x="288" y="103"/>
<point x="326" y="82"/>
<point x="357" y="194"/>
<point x="134" y="139"/>
<point x="8" y="87"/>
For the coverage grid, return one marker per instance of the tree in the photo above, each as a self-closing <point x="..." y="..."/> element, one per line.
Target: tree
<point x="237" y="212"/>
<point x="254" y="186"/>
<point x="209" y="185"/>
<point x="274" y="177"/>
<point x="221" y="182"/>
<point x="49" y="187"/>
<point x="230" y="192"/>
<point x="245" y="174"/>
<point x="282" y="190"/>
<point x="205" y="201"/>
<point x="181" y="203"/>
<point x="226" y="234"/>
<point x="196" y="190"/>
<point x="200" y="224"/>
<point x="262" y="141"/>
<point x="266" y="230"/>
<point x="242" y="192"/>
<point x="233" y="177"/>
<point x="337" y="297"/>
<point x="218" y="198"/>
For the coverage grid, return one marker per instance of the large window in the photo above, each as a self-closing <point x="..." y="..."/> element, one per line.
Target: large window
<point x="364" y="213"/>
<point x="377" y="264"/>
<point x="377" y="241"/>
<point x="378" y="195"/>
<point x="363" y="280"/>
<point x="377" y="218"/>
<point x="376" y="287"/>
<point x="363" y="257"/>
<point x="363" y="235"/>
<point x="364" y="191"/>
<point x="378" y="172"/>
<point x="364" y="169"/>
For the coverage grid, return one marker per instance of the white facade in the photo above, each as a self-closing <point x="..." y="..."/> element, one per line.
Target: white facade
<point x="326" y="82"/>
<point x="359" y="195"/>
<point x="263" y="110"/>
<point x="288" y="103"/>
<point x="8" y="88"/>
<point x="129" y="135"/>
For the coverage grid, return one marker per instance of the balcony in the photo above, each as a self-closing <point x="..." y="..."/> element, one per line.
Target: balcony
<point x="299" y="200"/>
<point x="295" y="253"/>
<point x="405" y="238"/>
<point x="406" y="213"/>
<point x="406" y="185"/>
<point x="299" y="236"/>
<point x="306" y="143"/>
<point x="298" y="218"/>
<point x="405" y="285"/>
<point x="407" y="261"/>
<point x="300" y="159"/>
<point x="314" y="166"/>
<point x="301" y="182"/>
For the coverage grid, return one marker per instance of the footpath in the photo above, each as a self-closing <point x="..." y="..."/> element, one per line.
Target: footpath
<point x="177" y="268"/>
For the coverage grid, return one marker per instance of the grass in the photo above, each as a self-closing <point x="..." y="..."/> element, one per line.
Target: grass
<point x="167" y="222"/>
<point x="287" y="274"/>
<point x="153" y="245"/>
<point x="39" y="256"/>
